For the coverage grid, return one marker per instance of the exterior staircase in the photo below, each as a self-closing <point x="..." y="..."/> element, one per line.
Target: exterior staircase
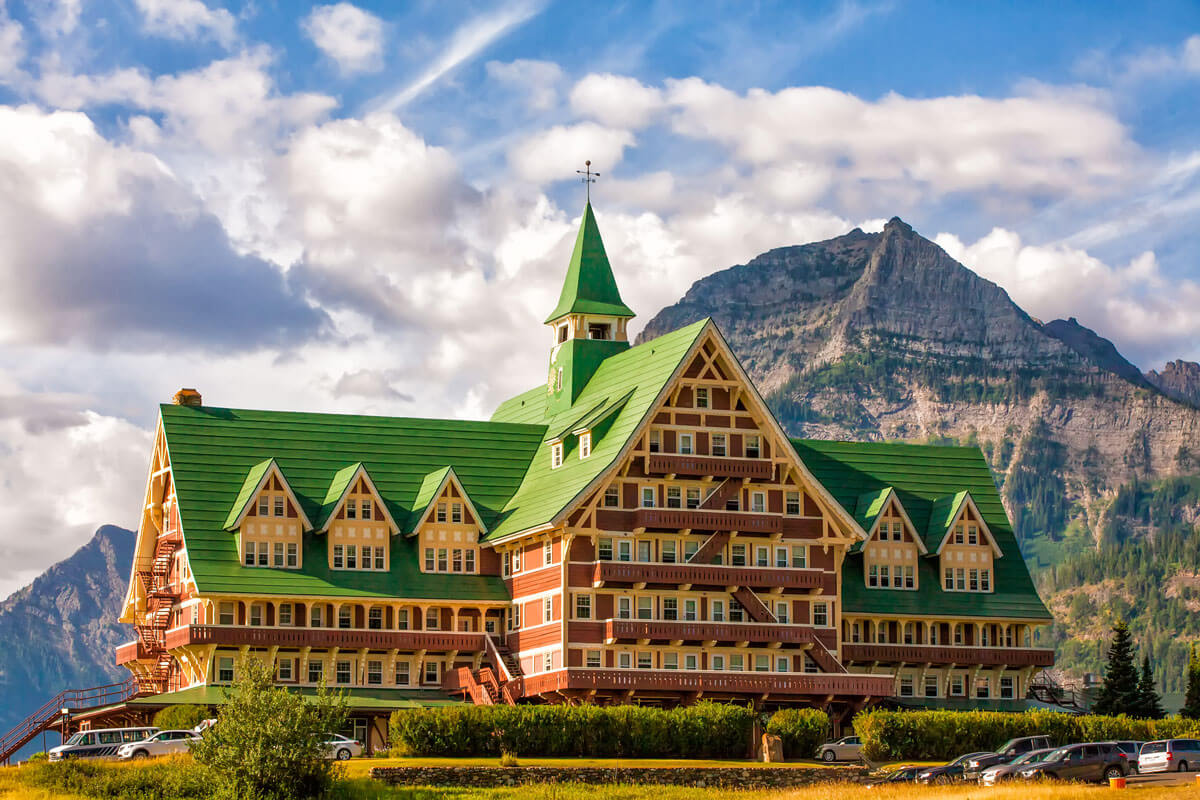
<point x="152" y="573"/>
<point x="755" y="607"/>
<point x="490" y="685"/>
<point x="50" y="714"/>
<point x="718" y="497"/>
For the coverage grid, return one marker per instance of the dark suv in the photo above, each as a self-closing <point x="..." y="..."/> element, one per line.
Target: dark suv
<point x="1005" y="753"/>
<point x="1094" y="761"/>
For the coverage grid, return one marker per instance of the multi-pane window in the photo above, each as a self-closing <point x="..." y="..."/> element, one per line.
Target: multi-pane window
<point x="264" y="505"/>
<point x="645" y="608"/>
<point x="674" y="497"/>
<point x="441" y="512"/>
<point x="366" y="508"/>
<point x="375" y="619"/>
<point x="670" y="608"/>
<point x="884" y="575"/>
<point x="285" y="614"/>
<point x="781" y="612"/>
<point x="655" y="441"/>
<point x="972" y="534"/>
<point x="693" y="498"/>
<point x="316" y="671"/>
<point x="716" y="663"/>
<point x="443" y="559"/>
<point x="433" y="619"/>
<point x="906" y="685"/>
<point x="910" y="578"/>
<point x="716" y="610"/>
<point x="624" y="608"/>
<point x="983" y="687"/>
<point x="753" y="446"/>
<point x="604" y="550"/>
<point x="612" y="497"/>
<point x="1007" y="688"/>
<point x="931" y="686"/>
<point x="433" y="672"/>
<point x="556" y="455"/>
<point x="781" y="557"/>
<point x="685" y="444"/>
<point x="456" y="560"/>
<point x="625" y="660"/>
<point x="668" y="552"/>
<point x="644" y="548"/>
<point x="456" y="512"/>
<point x="737" y="662"/>
<point x="736" y="612"/>
<point x="250" y="552"/>
<point x="985" y="580"/>
<point x="762" y="663"/>
<point x="624" y="550"/>
<point x="351" y="557"/>
<point x="762" y="556"/>
<point x="898" y="578"/>
<point x="690" y="547"/>
<point x="645" y="661"/>
<point x="402" y="619"/>
<point x="701" y="397"/>
<point x="403" y="673"/>
<point x="758" y="502"/>
<point x="225" y="669"/>
<point x="256" y="614"/>
<point x="791" y="505"/>
<point x="820" y="614"/>
<point x="974" y="582"/>
<point x="315" y="617"/>
<point x="547" y="662"/>
<point x="343" y="672"/>
<point x="799" y="556"/>
<point x="957" y="685"/>
<point x="547" y="552"/>
<point x="344" y="617"/>
<point x="583" y="606"/>
<point x="592" y="659"/>
<point x="585" y="444"/>
<point x="689" y="610"/>
<point x="351" y="509"/>
<point x="374" y="673"/>
<point x="469" y="560"/>
<point x="719" y="447"/>
<point x="278" y="554"/>
<point x="647" y="497"/>
<point x="279" y="512"/>
<point x="949" y="579"/>
<point x="670" y="661"/>
<point x="429" y="562"/>
<point x="547" y="610"/>
<point x="293" y="555"/>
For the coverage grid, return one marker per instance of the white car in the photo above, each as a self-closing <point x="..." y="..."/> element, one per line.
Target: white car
<point x="848" y="748"/>
<point x="160" y="744"/>
<point x="341" y="747"/>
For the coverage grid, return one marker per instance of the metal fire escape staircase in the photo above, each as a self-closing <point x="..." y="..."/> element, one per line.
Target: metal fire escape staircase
<point x="50" y="714"/>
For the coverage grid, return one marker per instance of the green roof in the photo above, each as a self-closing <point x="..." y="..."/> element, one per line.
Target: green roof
<point x="250" y="487"/>
<point x="336" y="491"/>
<point x="590" y="287"/>
<point x="638" y="374"/>
<point x="431" y="486"/>
<point x="923" y="476"/>
<point x="869" y="506"/>
<point x="941" y="518"/>
<point x="212" y="451"/>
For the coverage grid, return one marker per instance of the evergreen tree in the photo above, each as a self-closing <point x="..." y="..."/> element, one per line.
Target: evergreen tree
<point x="1149" y="704"/>
<point x="1119" y="694"/>
<point x="1191" y="702"/>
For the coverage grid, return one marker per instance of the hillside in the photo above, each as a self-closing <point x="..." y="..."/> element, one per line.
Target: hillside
<point x="885" y="336"/>
<point x="59" y="632"/>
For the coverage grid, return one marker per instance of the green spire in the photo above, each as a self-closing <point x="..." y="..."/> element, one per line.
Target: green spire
<point x="590" y="287"/>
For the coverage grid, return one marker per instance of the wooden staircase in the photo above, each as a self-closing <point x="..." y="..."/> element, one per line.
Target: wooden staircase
<point x="755" y="607"/>
<point x="50" y="714"/>
<point x="718" y="497"/>
<point x="490" y="685"/>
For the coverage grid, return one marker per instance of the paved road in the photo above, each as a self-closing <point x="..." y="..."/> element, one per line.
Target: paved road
<point x="1162" y="779"/>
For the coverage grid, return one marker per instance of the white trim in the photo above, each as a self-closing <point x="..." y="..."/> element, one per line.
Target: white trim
<point x="379" y="503"/>
<point x="904" y="515"/>
<point x="982" y="525"/>
<point x="273" y="469"/>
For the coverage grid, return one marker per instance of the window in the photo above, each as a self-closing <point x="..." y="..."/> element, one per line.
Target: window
<point x="898" y="577"/>
<point x="655" y="441"/>
<point x="957" y="686"/>
<point x="645" y="661"/>
<point x="670" y="608"/>
<point x="585" y="444"/>
<point x="645" y="608"/>
<point x="343" y="672"/>
<point x="1007" y="688"/>
<point x="884" y="575"/>
<point x="547" y="609"/>
<point x="293" y="555"/>
<point x="624" y="660"/>
<point x="456" y="560"/>
<point x="315" y="616"/>
<point x="781" y="612"/>
<point x="909" y="633"/>
<point x="910" y="578"/>
<point x="562" y="333"/>
<point x="225" y="614"/>
<point x="250" y="554"/>
<point x="316" y="671"/>
<point x="278" y="553"/>
<point x="670" y="661"/>
<point x="374" y="673"/>
<point x="972" y="534"/>
<point x="753" y="446"/>
<point x="351" y="557"/>
<point x="379" y="558"/>
<point x="433" y="672"/>
<point x="689" y="610"/>
<point x="906" y="685"/>
<point x="985" y="580"/>
<point x="285" y="614"/>
<point x="762" y="663"/>
<point x="762" y="556"/>
<point x="344" y="620"/>
<point x="279" y="505"/>
<point x="583" y="606"/>
<point x="443" y="559"/>
<point x="685" y="444"/>
<point x="366" y="509"/>
<point x="286" y="667"/>
<point x="225" y="669"/>
<point x="690" y="661"/>
<point x="949" y="579"/>
<point x="736" y="662"/>
<point x="612" y="497"/>
<point x="597" y="330"/>
<point x="456" y="512"/>
<point x="469" y="557"/>
<point x="781" y="557"/>
<point x="719" y="447"/>
<point x="974" y="580"/>
<point x="403" y="673"/>
<point x="693" y="498"/>
<point x="958" y="634"/>
<point x="736" y="613"/>
<point x="690" y="548"/>
<point x="604" y="551"/>
<point x="781" y="664"/>
<point x="647" y="497"/>
<point x="960" y="580"/>
<point x="717" y="610"/>
<point x="668" y="552"/>
<point x="855" y="632"/>
<point x="264" y="505"/>
<point x="351" y="509"/>
<point x="441" y="512"/>
<point x="931" y="686"/>
<point x="516" y="561"/>
<point x="624" y="550"/>
<point x="799" y="556"/>
<point x="644" y="550"/>
<point x="592" y="659"/>
<point x="547" y="662"/>
<point x="433" y="619"/>
<point x="624" y="608"/>
<point x="548" y="552"/>
<point x="375" y="619"/>
<point x="367" y="553"/>
<point x="983" y="687"/>
<point x="958" y="535"/>
<point x="674" y="497"/>
<point x="402" y="619"/>
<point x="758" y="502"/>
<point x="791" y="505"/>
<point x="821" y="614"/>
<point x="256" y="614"/>
<point x="429" y="559"/>
<point x="717" y="663"/>
<point x="701" y="397"/>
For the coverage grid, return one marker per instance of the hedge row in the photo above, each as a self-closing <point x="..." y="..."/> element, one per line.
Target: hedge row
<point x="803" y="730"/>
<point x="704" y="730"/>
<point x="895" y="735"/>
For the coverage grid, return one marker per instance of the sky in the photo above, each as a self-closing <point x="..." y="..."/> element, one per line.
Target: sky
<point x="368" y="208"/>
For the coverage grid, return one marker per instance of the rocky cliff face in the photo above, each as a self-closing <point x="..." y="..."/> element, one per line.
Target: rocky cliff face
<point x="1179" y="380"/>
<point x="60" y="631"/>
<point x="885" y="336"/>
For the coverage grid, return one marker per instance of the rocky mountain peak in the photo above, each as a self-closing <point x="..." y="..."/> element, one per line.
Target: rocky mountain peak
<point x="1095" y="348"/>
<point x="1179" y="380"/>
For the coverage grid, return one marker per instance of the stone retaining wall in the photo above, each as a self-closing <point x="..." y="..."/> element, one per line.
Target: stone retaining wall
<point x="724" y="777"/>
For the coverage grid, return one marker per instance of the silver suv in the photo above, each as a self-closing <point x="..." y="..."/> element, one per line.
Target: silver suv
<point x="1169" y="755"/>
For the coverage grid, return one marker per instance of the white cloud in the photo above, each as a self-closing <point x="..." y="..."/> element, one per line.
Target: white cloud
<point x="554" y="154"/>
<point x="350" y="36"/>
<point x="1148" y="64"/>
<point x="186" y="19"/>
<point x="616" y="100"/>
<point x="538" y="80"/>
<point x="12" y="47"/>
<point x="1151" y="318"/>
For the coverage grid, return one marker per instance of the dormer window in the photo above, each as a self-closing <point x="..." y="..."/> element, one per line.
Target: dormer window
<point x="556" y="455"/>
<point x="264" y="505"/>
<point x="598" y="330"/>
<point x="279" y="505"/>
<point x="352" y="509"/>
<point x="366" y="509"/>
<point x="456" y="513"/>
<point x="441" y="512"/>
<point x="585" y="444"/>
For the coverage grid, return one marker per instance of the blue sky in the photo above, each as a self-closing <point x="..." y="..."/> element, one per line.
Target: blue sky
<point x="367" y="207"/>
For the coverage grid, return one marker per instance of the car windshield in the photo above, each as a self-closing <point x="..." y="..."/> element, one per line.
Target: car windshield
<point x="1004" y="748"/>
<point x="963" y="759"/>
<point x="1058" y="755"/>
<point x="76" y="739"/>
<point x="1027" y="758"/>
<point x="1154" y="747"/>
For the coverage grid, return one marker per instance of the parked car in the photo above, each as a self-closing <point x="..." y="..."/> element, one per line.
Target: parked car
<point x="160" y="744"/>
<point x="1004" y="754"/>
<point x="1131" y="751"/>
<point x="343" y="748"/>
<point x="848" y="748"/>
<point x="1094" y="761"/>
<point x="1003" y="772"/>
<point x="948" y="773"/>
<point x="98" y="744"/>
<point x="1169" y="755"/>
<point x="901" y="775"/>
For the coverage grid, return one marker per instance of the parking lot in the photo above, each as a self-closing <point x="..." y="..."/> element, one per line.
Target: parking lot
<point x="1162" y="779"/>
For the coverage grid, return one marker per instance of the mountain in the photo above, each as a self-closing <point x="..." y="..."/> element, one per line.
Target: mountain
<point x="1180" y="380"/>
<point x="884" y="336"/>
<point x="59" y="632"/>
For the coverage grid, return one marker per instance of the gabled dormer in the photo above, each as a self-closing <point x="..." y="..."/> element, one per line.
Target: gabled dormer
<point x="268" y="519"/>
<point x="447" y="524"/>
<point x="892" y="547"/>
<point x="965" y="547"/>
<point x="356" y="522"/>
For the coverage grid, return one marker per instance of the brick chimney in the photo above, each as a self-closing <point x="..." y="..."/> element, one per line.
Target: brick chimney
<point x="188" y="397"/>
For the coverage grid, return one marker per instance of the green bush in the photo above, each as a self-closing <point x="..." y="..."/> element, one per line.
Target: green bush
<point x="802" y="730"/>
<point x="703" y="730"/>
<point x="166" y="779"/>
<point x="896" y="735"/>
<point x="181" y="717"/>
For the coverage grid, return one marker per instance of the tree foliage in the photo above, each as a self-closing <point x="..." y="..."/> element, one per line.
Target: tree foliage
<point x="1149" y="704"/>
<point x="181" y="717"/>
<point x="1191" y="702"/>
<point x="1119" y="694"/>
<point x="268" y="743"/>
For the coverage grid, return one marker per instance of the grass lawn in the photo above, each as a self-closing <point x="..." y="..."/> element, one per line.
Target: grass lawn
<point x="363" y="766"/>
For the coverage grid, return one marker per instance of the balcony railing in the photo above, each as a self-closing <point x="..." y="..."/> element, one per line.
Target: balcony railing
<point x="694" y="631"/>
<point x="704" y="575"/>
<point x="938" y="654"/>
<point x="688" y="681"/>
<point x="703" y="520"/>
<point x="348" y="639"/>
<point x="674" y="463"/>
<point x="132" y="651"/>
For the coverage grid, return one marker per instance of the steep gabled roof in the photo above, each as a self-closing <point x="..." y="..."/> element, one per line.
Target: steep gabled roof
<point x="870" y="507"/>
<point x="590" y="287"/>
<point x="256" y="479"/>
<point x="431" y="489"/>
<point x="921" y="475"/>
<point x="945" y="512"/>
<point x="343" y="481"/>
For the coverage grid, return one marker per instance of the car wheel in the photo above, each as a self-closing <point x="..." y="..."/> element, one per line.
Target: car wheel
<point x="1114" y="772"/>
<point x="1183" y="766"/>
<point x="343" y="754"/>
<point x="140" y="754"/>
<point x="828" y="756"/>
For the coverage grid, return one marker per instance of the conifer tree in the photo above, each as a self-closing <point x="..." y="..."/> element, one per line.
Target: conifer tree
<point x="1149" y="704"/>
<point x="1191" y="701"/>
<point x="1119" y="694"/>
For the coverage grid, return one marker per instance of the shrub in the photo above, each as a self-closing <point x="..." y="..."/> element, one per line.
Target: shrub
<point x="802" y="730"/>
<point x="181" y="717"/>
<point x="164" y="779"/>
<point x="896" y="735"/>
<point x="268" y="743"/>
<point x="712" y="730"/>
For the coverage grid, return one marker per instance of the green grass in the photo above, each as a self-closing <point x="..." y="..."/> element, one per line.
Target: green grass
<point x="363" y="766"/>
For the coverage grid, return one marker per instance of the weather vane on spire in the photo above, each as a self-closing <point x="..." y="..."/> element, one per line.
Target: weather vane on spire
<point x="588" y="178"/>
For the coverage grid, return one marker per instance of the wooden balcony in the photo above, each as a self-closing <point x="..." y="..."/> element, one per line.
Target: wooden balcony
<point x="937" y="654"/>
<point x="655" y="573"/>
<point x="132" y="651"/>
<point x="703" y="520"/>
<point x="343" y="638"/>
<point x="676" y="464"/>
<point x="693" y="631"/>
<point x="713" y="683"/>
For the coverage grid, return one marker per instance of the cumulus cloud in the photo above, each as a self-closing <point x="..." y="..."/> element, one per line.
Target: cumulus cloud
<point x="12" y="46"/>
<point x="616" y="100"/>
<point x="185" y="19"/>
<point x="539" y="81"/>
<point x="372" y="384"/>
<point x="353" y="38"/>
<point x="552" y="154"/>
